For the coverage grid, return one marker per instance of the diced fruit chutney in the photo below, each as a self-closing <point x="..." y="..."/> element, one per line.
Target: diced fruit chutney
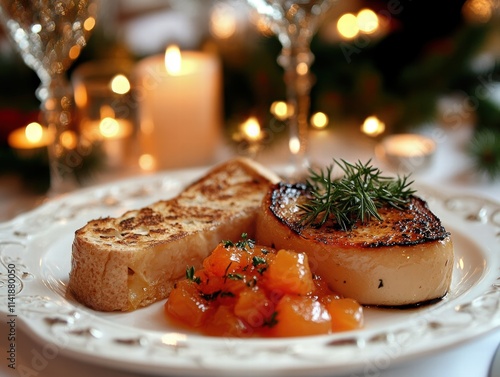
<point x="247" y="290"/>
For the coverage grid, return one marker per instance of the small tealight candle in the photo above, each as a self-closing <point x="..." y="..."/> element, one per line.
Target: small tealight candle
<point x="29" y="140"/>
<point x="408" y="152"/>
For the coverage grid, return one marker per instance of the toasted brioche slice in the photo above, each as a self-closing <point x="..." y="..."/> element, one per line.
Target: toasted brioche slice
<point x="405" y="259"/>
<point x="120" y="264"/>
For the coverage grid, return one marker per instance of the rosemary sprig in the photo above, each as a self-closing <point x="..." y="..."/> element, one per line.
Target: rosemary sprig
<point x="355" y="196"/>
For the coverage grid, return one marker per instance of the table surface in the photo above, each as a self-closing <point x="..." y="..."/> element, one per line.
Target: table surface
<point x="450" y="170"/>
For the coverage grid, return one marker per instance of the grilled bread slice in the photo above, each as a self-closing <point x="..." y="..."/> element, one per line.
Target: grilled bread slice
<point x="120" y="264"/>
<point x="406" y="259"/>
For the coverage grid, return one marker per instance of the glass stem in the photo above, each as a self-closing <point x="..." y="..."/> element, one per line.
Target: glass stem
<point x="57" y="114"/>
<point x="296" y="59"/>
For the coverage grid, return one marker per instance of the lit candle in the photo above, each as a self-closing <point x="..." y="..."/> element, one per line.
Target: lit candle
<point x="372" y="126"/>
<point x="179" y="107"/>
<point x="29" y="140"/>
<point x="407" y="151"/>
<point x="249" y="137"/>
<point x="251" y="130"/>
<point x="113" y="135"/>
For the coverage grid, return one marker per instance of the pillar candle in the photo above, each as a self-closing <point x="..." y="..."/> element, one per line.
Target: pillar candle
<point x="179" y="107"/>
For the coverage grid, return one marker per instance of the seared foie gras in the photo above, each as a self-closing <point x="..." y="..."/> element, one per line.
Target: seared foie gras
<point x="405" y="259"/>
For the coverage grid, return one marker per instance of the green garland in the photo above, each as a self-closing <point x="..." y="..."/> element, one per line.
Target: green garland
<point x="485" y="152"/>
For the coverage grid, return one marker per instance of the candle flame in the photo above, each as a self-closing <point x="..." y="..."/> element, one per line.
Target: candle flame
<point x="251" y="129"/>
<point x="372" y="126"/>
<point x="173" y="60"/>
<point x="34" y="132"/>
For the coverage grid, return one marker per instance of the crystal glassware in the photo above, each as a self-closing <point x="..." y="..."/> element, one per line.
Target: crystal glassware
<point x="49" y="35"/>
<point x="295" y="22"/>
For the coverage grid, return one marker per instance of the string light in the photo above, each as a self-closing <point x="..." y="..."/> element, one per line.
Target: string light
<point x="350" y="25"/>
<point x="319" y="120"/>
<point x="120" y="84"/>
<point x="372" y="126"/>
<point x="347" y="26"/>
<point x="367" y="21"/>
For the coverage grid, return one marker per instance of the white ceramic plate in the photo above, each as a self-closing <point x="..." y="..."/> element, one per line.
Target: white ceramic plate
<point x="37" y="247"/>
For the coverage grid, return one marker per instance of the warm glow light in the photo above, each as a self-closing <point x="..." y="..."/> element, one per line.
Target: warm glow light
<point x="29" y="137"/>
<point x="147" y="162"/>
<point x="68" y="139"/>
<point x="347" y="25"/>
<point x="120" y="84"/>
<point x="106" y="111"/>
<point x="294" y="145"/>
<point x="34" y="132"/>
<point x="251" y="129"/>
<point x="319" y="120"/>
<point x="280" y="110"/>
<point x="74" y="52"/>
<point x="302" y="69"/>
<point x="372" y="126"/>
<point x="109" y="127"/>
<point x="478" y="10"/>
<point x="367" y="21"/>
<point x="223" y="21"/>
<point x="89" y="23"/>
<point x="408" y="145"/>
<point x="80" y="95"/>
<point x="173" y="60"/>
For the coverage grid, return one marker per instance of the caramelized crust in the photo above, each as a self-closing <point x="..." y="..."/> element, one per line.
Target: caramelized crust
<point x="416" y="224"/>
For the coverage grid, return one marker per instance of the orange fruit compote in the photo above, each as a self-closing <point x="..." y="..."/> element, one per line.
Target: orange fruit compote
<point x="249" y="290"/>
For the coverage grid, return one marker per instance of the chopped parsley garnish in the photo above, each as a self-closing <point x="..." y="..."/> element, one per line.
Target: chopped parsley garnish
<point x="272" y="321"/>
<point x="258" y="260"/>
<point x="235" y="276"/>
<point x="245" y="242"/>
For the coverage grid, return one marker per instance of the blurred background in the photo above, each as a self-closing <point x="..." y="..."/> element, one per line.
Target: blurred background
<point x="403" y="65"/>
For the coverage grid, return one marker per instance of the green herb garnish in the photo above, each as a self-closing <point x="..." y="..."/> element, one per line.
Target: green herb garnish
<point x="271" y="321"/>
<point x="235" y="276"/>
<point x="258" y="260"/>
<point x="245" y="242"/>
<point x="356" y="196"/>
<point x="190" y="275"/>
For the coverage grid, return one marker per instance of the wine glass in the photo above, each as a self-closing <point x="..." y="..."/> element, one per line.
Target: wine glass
<point x="295" y="22"/>
<point x="49" y="35"/>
